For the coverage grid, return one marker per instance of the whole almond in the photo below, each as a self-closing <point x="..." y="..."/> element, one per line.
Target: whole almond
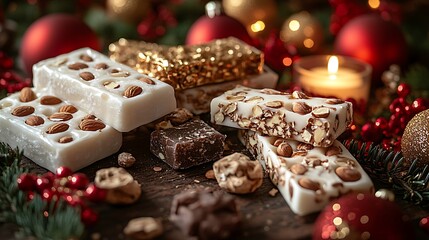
<point x="91" y="125"/>
<point x="101" y="66"/>
<point x="298" y="169"/>
<point x="87" y="76"/>
<point x="301" y="108"/>
<point x="86" y="58"/>
<point x="132" y="91"/>
<point x="333" y="150"/>
<point x="348" y="174"/>
<point x="22" y="111"/>
<point x="284" y="150"/>
<point x="50" y="100"/>
<point x="27" y="95"/>
<point x="299" y="95"/>
<point x="89" y="116"/>
<point x="309" y="184"/>
<point x="68" y="109"/>
<point x="65" y="139"/>
<point x="321" y="112"/>
<point x="34" y="121"/>
<point x="147" y="80"/>
<point x="57" y="128"/>
<point x="77" y="66"/>
<point x="60" y="116"/>
<point x="334" y="101"/>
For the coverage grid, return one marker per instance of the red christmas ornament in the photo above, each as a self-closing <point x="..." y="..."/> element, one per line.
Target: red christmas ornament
<point x="53" y="35"/>
<point x="373" y="40"/>
<point x="361" y="216"/>
<point x="216" y="26"/>
<point x="26" y="182"/>
<point x="278" y="55"/>
<point x="156" y="23"/>
<point x="63" y="172"/>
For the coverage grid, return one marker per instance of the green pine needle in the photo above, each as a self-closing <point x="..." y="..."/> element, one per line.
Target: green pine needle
<point x="63" y="222"/>
<point x="409" y="181"/>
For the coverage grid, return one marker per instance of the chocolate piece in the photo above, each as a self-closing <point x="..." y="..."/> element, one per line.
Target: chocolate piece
<point x="187" y="145"/>
<point x="205" y="215"/>
<point x="186" y="67"/>
<point x="311" y="179"/>
<point x="316" y="121"/>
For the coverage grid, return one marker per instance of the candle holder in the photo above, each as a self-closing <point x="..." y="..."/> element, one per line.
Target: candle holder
<point x="344" y="78"/>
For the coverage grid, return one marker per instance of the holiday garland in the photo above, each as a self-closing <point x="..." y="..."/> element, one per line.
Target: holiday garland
<point x="35" y="218"/>
<point x="389" y="167"/>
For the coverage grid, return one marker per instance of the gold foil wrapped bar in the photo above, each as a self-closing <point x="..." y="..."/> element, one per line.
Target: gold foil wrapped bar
<point x="185" y="66"/>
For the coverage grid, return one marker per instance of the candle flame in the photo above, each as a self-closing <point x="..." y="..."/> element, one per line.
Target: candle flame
<point x="333" y="64"/>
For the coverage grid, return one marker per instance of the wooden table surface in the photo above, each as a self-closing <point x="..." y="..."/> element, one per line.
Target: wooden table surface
<point x="264" y="216"/>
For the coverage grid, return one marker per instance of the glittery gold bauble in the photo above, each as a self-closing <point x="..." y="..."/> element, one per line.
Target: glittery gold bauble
<point x="131" y="11"/>
<point x="415" y="140"/>
<point x="302" y="31"/>
<point x="259" y="16"/>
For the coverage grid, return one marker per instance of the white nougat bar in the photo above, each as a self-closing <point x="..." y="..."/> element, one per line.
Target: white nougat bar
<point x="117" y="94"/>
<point x="308" y="177"/>
<point x="53" y="133"/>
<point x="197" y="99"/>
<point x="318" y="121"/>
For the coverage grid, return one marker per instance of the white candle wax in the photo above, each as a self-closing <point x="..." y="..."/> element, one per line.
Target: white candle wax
<point x="334" y="81"/>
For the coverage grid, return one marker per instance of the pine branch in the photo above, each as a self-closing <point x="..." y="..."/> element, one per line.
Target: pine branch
<point x="389" y="167"/>
<point x="63" y="221"/>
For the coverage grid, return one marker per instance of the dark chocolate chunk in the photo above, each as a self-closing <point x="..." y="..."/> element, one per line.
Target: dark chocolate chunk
<point x="187" y="145"/>
<point x="205" y="215"/>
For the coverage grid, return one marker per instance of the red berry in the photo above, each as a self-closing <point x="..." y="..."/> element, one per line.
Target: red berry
<point x="418" y="105"/>
<point x="370" y="133"/>
<point x="397" y="105"/>
<point x="95" y="194"/>
<point x="381" y="123"/>
<point x="63" y="172"/>
<point x="30" y="195"/>
<point x="424" y="223"/>
<point x="403" y="90"/>
<point x="88" y="216"/>
<point x="26" y="182"/>
<point x="49" y="175"/>
<point x="43" y="183"/>
<point x="78" y="181"/>
<point x="47" y="195"/>
<point x="73" y="200"/>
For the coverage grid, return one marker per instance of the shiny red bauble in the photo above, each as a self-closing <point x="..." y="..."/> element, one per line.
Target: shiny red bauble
<point x="206" y="29"/>
<point x="376" y="41"/>
<point x="361" y="216"/>
<point x="53" y="35"/>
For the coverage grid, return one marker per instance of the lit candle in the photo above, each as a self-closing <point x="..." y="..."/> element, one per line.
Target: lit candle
<point x="334" y="76"/>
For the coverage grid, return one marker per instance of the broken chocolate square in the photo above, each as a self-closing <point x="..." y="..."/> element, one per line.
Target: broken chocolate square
<point x="187" y="145"/>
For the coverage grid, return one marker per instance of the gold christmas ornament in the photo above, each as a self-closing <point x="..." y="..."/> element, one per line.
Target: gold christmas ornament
<point x="259" y="16"/>
<point x="130" y="11"/>
<point x="415" y="140"/>
<point x="302" y="31"/>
